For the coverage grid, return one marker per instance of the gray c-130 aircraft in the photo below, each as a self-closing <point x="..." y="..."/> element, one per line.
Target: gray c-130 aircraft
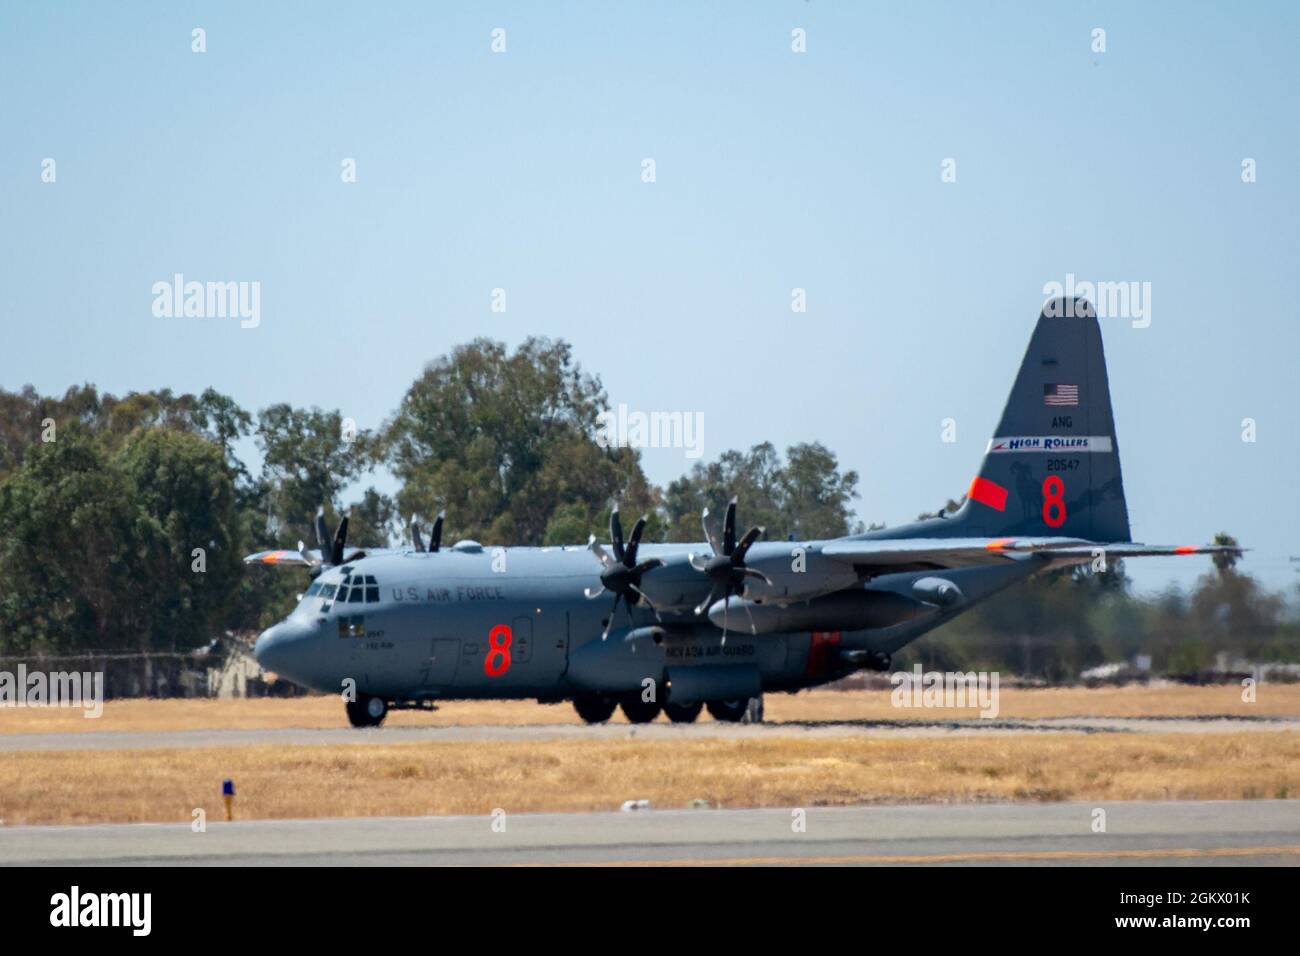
<point x="715" y="624"/>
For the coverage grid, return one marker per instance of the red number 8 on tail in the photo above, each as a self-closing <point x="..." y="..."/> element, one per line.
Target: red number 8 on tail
<point x="1053" y="501"/>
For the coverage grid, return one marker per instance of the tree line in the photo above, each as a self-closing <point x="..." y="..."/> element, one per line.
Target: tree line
<point x="124" y="519"/>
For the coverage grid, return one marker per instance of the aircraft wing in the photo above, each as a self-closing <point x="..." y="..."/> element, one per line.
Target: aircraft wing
<point x="302" y="559"/>
<point x="919" y="553"/>
<point x="311" y="559"/>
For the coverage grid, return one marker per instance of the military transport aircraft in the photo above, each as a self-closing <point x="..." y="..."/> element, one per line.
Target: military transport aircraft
<point x="679" y="627"/>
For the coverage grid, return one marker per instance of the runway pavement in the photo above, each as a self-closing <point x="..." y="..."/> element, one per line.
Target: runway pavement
<point x="1141" y="832"/>
<point x="660" y="730"/>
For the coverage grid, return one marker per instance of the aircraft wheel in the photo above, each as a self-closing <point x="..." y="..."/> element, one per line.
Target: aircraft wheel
<point x="594" y="710"/>
<point x="730" y="711"/>
<point x="367" y="711"/>
<point x="683" y="713"/>
<point x="638" y="711"/>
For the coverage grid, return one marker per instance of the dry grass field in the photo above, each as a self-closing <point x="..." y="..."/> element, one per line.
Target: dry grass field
<point x="599" y="774"/>
<point x="471" y="777"/>
<point x="1170" y="700"/>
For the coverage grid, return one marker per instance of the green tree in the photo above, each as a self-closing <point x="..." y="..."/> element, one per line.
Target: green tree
<point x="67" y="552"/>
<point x="188" y="566"/>
<point x="805" y="496"/>
<point x="308" y="458"/>
<point x="502" y="440"/>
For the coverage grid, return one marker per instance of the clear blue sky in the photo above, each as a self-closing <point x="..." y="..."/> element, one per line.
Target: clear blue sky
<point x="775" y="170"/>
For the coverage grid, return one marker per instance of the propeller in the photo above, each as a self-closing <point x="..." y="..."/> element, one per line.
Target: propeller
<point x="621" y="573"/>
<point x="726" y="569"/>
<point x="435" y="538"/>
<point x="331" y="552"/>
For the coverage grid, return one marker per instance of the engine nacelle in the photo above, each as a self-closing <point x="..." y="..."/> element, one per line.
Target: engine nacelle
<point x="938" y="591"/>
<point x="859" y="610"/>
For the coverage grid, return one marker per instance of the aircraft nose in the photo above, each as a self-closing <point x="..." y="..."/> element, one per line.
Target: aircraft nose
<point x="281" y="649"/>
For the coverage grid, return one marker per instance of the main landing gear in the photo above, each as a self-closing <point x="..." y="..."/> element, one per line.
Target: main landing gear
<point x="367" y="711"/>
<point x="638" y="711"/>
<point x="594" y="710"/>
<point x="748" y="710"/>
<point x="683" y="713"/>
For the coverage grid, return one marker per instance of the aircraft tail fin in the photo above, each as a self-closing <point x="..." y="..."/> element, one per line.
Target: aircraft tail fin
<point x="1052" y="467"/>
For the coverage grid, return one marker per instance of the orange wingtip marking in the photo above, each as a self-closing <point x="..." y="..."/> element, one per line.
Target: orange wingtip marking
<point x="997" y="544"/>
<point x="1186" y="549"/>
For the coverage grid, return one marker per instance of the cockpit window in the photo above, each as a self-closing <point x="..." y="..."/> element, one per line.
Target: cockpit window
<point x="313" y="590"/>
<point x="354" y="589"/>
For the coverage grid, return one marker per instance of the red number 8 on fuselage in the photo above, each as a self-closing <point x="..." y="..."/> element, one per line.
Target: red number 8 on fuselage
<point x="497" y="661"/>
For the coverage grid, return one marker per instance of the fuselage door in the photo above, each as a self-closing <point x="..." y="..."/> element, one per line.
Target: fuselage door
<point x="443" y="660"/>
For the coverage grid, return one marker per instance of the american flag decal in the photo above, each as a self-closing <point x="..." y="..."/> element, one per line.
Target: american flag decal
<point x="1060" y="394"/>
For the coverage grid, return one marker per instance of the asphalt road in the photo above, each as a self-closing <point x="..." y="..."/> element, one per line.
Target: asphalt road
<point x="659" y="730"/>
<point x="1141" y="832"/>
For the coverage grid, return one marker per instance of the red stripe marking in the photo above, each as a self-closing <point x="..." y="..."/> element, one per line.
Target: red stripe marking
<point x="820" y="651"/>
<point x="988" y="493"/>
<point x="1186" y="549"/>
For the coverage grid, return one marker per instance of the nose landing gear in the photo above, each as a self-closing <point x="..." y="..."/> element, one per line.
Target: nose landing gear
<point x="366" y="711"/>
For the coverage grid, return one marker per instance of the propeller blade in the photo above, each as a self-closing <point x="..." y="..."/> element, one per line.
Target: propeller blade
<point x="755" y="573"/>
<point x="729" y="528"/>
<point x="645" y="597"/>
<point x="752" y="628"/>
<point x="709" y="533"/>
<point x="322" y="532"/>
<point x="599" y="552"/>
<point x="589" y="593"/>
<point x="647" y="565"/>
<point x="416" y="538"/>
<point x="697" y="561"/>
<point x="616" y="533"/>
<point x="340" y="540"/>
<point x="634" y="542"/>
<point x="610" y="623"/>
<point x="713" y="596"/>
<point x="435" y="537"/>
<point x="752" y="535"/>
